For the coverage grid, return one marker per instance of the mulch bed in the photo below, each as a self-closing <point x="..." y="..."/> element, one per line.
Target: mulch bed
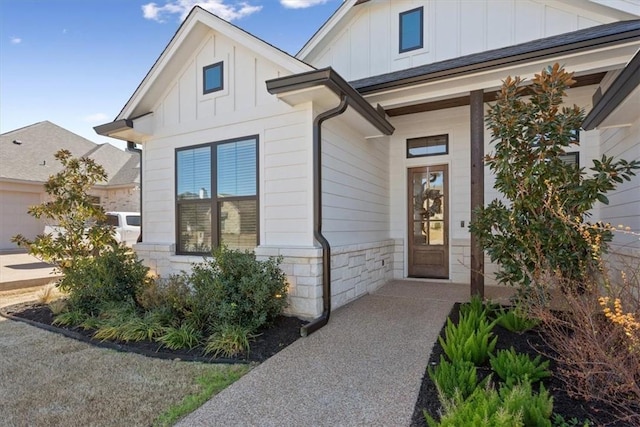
<point x="283" y="331"/>
<point x="530" y="343"/>
<point x="286" y="330"/>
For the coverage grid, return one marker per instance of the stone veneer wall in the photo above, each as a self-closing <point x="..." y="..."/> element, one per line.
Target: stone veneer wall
<point x="356" y="270"/>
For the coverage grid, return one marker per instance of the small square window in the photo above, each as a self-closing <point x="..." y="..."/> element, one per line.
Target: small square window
<point x="411" y="30"/>
<point x="428" y="146"/>
<point x="212" y="78"/>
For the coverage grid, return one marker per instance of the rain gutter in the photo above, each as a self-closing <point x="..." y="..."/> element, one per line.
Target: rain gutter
<point x="349" y="97"/>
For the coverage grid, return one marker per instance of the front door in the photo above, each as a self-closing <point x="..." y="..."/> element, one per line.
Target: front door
<point x="428" y="224"/>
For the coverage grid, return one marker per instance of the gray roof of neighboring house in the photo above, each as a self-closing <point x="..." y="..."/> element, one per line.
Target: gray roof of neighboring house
<point x="588" y="38"/>
<point x="32" y="159"/>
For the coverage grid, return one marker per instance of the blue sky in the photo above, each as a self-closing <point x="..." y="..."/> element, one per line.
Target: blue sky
<point x="77" y="62"/>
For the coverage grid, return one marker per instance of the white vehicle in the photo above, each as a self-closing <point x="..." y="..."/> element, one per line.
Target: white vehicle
<point x="126" y="225"/>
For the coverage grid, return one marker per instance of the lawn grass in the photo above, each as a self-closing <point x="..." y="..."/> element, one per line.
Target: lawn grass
<point x="48" y="379"/>
<point x="211" y="383"/>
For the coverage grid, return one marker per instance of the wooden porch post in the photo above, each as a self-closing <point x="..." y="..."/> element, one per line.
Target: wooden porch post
<point x="477" y="186"/>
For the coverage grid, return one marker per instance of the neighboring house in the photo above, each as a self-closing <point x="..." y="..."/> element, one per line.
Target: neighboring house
<point x="360" y="159"/>
<point x="27" y="161"/>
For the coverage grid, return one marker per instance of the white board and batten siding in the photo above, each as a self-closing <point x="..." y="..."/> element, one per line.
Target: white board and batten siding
<point x="184" y="116"/>
<point x="368" y="43"/>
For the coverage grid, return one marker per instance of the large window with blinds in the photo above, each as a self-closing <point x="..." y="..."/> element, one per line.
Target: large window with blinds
<point x="217" y="196"/>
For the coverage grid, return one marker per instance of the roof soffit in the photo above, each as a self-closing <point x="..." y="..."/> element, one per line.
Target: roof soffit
<point x="184" y="44"/>
<point x="620" y="103"/>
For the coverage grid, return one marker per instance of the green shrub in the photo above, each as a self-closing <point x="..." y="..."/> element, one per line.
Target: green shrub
<point x="115" y="275"/>
<point x="470" y="339"/>
<point x="536" y="408"/>
<point x="172" y="293"/>
<point x="235" y="288"/>
<point x="516" y="321"/>
<point x="514" y="368"/>
<point x="184" y="336"/>
<point x="454" y="378"/>
<point x="229" y="340"/>
<point x="482" y="408"/>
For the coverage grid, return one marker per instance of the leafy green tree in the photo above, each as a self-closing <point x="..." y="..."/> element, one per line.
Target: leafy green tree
<point x="541" y="222"/>
<point x="82" y="233"/>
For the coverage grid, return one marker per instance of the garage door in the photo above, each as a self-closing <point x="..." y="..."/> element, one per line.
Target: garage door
<point x="14" y="218"/>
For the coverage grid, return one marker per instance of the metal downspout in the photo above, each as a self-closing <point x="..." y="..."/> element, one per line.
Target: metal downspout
<point x="131" y="147"/>
<point x="317" y="216"/>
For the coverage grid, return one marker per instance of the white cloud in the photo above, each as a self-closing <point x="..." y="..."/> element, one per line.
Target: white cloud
<point x="301" y="4"/>
<point x="221" y="8"/>
<point x="16" y="40"/>
<point x="96" y="118"/>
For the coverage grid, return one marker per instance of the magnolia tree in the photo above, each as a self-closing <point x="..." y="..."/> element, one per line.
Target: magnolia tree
<point x="81" y="233"/>
<point x="541" y="222"/>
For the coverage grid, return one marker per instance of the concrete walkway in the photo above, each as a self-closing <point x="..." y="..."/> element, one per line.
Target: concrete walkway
<point x="364" y="368"/>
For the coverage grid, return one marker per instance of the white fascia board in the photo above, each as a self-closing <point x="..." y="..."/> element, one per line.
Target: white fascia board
<point x="212" y="22"/>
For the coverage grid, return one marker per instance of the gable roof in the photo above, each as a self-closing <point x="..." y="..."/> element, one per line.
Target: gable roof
<point x="620" y="10"/>
<point x="588" y="38"/>
<point x="27" y="154"/>
<point x="173" y="57"/>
